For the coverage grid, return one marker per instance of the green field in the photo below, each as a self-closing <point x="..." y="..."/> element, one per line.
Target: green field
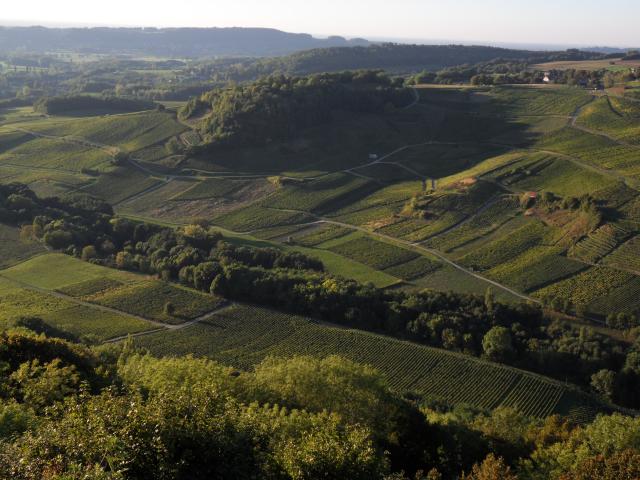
<point x="242" y="336"/>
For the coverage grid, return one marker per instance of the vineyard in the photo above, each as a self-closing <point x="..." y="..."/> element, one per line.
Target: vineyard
<point x="57" y="271"/>
<point x="56" y="154"/>
<point x="121" y="184"/>
<point x="552" y="174"/>
<point x="626" y="256"/>
<point x="371" y="252"/>
<point x="617" y="117"/>
<point x="593" y="285"/>
<point x="256" y="217"/>
<point x="504" y="249"/>
<point x="242" y="336"/>
<point x="77" y="320"/>
<point x="535" y="268"/>
<point x="90" y="287"/>
<point x="94" y="324"/>
<point x="441" y="210"/>
<point x="539" y="101"/>
<point x="322" y="195"/>
<point x="148" y="299"/>
<point x="481" y="224"/>
<point x="415" y="268"/>
<point x="593" y="149"/>
<point x="213" y="188"/>
<point x="324" y="233"/>
<point x="130" y="132"/>
<point x="623" y="298"/>
<point x="600" y="242"/>
<point x="449" y="278"/>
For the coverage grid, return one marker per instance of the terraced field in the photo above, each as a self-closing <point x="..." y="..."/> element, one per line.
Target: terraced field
<point x="242" y="336"/>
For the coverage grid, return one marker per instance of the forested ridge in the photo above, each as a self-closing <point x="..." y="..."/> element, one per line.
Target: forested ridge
<point x="277" y="107"/>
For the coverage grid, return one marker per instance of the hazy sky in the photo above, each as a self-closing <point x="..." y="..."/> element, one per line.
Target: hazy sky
<point x="579" y="22"/>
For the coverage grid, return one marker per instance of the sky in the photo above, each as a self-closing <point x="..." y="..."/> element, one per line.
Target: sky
<point x="553" y="22"/>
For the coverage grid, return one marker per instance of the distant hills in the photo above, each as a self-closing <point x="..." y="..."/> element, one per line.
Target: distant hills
<point x="391" y="57"/>
<point x="183" y="42"/>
